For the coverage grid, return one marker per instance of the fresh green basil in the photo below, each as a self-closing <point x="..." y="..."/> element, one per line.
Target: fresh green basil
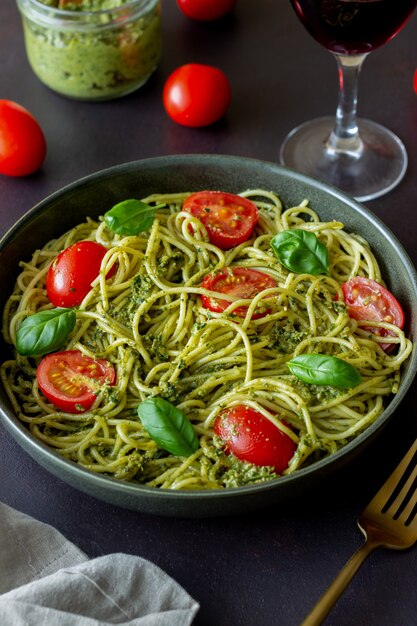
<point x="168" y="426"/>
<point x="300" y="251"/>
<point x="44" y="332"/>
<point x="130" y="217"/>
<point x="321" y="369"/>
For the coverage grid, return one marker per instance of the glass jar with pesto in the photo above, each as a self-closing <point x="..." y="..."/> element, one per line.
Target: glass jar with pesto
<point x="92" y="49"/>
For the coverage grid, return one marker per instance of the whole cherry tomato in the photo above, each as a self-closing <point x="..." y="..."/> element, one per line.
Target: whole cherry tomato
<point x="196" y="95"/>
<point x="241" y="282"/>
<point x="70" y="275"/>
<point x="206" y="10"/>
<point x="366" y="299"/>
<point x="254" y="438"/>
<point x="71" y="380"/>
<point x="229" y="219"/>
<point x="22" y="142"/>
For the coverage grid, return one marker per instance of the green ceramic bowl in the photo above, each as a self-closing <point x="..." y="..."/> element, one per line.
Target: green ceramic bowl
<point x="95" y="194"/>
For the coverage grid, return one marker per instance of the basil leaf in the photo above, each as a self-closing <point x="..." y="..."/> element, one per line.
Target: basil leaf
<point x="320" y="369"/>
<point x="44" y="332"/>
<point x="300" y="251"/>
<point x="130" y="217"/>
<point x="168" y="426"/>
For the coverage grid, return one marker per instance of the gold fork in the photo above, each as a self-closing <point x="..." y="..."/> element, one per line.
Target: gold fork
<point x="389" y="520"/>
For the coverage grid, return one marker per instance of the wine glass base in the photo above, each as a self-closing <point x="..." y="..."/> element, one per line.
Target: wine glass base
<point x="378" y="168"/>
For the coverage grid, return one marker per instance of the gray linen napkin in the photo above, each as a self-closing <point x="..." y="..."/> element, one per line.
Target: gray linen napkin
<point x="47" y="581"/>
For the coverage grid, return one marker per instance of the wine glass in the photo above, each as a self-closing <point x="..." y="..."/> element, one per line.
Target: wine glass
<point x="359" y="156"/>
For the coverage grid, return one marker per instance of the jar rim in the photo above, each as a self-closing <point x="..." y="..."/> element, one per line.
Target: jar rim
<point x="65" y="18"/>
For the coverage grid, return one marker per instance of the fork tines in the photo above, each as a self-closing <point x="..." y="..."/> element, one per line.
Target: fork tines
<point x="403" y="484"/>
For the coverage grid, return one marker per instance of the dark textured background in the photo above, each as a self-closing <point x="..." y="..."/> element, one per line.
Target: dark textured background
<point x="265" y="568"/>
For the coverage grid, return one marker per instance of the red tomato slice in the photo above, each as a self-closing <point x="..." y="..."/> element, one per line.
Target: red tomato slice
<point x="71" y="380"/>
<point x="241" y="282"/>
<point x="70" y="275"/>
<point x="253" y="438"/>
<point x="228" y="218"/>
<point x="366" y="299"/>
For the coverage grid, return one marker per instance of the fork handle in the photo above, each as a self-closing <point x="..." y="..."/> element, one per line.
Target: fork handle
<point x="333" y="593"/>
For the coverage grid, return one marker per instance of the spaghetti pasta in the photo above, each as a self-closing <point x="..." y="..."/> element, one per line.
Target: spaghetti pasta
<point x="149" y="322"/>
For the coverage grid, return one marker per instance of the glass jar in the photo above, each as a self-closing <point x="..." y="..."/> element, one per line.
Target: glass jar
<point x="92" y="54"/>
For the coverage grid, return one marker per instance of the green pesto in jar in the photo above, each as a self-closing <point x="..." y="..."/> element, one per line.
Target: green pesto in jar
<point x="98" y="59"/>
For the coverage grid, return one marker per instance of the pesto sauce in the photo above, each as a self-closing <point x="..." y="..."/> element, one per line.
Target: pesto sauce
<point x="84" y="5"/>
<point x="241" y="474"/>
<point x="232" y="472"/>
<point x="97" y="63"/>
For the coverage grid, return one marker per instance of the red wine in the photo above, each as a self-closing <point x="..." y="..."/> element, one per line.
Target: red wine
<point x="353" y="26"/>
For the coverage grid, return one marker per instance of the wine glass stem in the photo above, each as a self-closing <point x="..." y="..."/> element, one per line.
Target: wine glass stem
<point x="344" y="138"/>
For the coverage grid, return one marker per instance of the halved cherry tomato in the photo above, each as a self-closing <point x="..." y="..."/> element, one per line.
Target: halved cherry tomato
<point x="70" y="275"/>
<point x="206" y="10"/>
<point x="71" y="380"/>
<point x="229" y="219"/>
<point x="254" y="438"/>
<point x="196" y="95"/>
<point x="22" y="142"/>
<point x="366" y="299"/>
<point x="241" y="282"/>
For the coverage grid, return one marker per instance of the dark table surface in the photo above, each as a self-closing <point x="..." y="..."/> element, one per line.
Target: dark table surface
<point x="268" y="567"/>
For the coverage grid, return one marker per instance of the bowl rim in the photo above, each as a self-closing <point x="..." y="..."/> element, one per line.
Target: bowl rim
<point x="37" y="449"/>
